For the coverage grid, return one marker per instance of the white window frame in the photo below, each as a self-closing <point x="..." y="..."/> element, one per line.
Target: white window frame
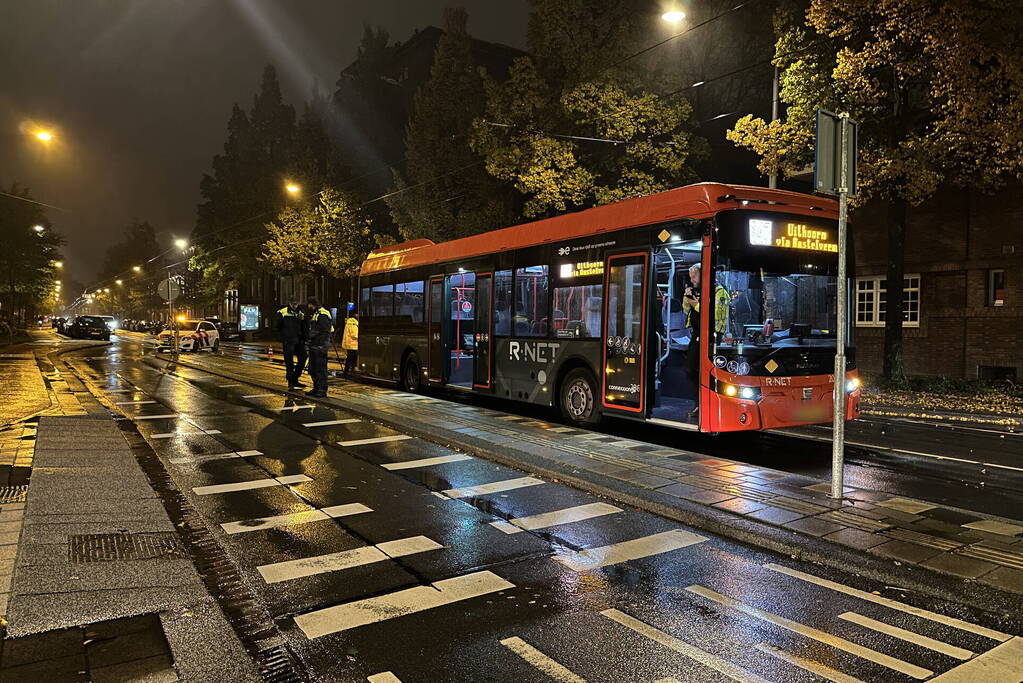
<point x="873" y="286"/>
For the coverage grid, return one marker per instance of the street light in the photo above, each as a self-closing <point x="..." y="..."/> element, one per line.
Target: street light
<point x="44" y="135"/>
<point x="181" y="244"/>
<point x="106" y="290"/>
<point x="673" y="17"/>
<point x="292" y="188"/>
<point x="58" y="264"/>
<point x="137" y="269"/>
<point x="118" y="282"/>
<point x="38" y="228"/>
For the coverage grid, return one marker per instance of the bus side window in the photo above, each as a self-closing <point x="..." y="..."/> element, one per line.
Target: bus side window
<point x="502" y="302"/>
<point x="364" y="303"/>
<point x="382" y="302"/>
<point x="577" y="311"/>
<point x="408" y="300"/>
<point x="531" y="302"/>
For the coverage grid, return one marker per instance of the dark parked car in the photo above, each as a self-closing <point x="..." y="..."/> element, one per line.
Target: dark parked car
<point x="230" y="332"/>
<point x="89" y="327"/>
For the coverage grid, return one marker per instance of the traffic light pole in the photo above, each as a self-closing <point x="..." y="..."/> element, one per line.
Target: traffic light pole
<point x="842" y="315"/>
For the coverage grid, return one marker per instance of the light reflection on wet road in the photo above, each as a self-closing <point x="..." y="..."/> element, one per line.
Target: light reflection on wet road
<point x="374" y="569"/>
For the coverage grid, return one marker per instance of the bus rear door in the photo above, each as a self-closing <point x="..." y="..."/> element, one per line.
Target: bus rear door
<point x="434" y="333"/>
<point x="625" y="331"/>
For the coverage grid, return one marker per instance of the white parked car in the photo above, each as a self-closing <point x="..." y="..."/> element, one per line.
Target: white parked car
<point x="194" y="335"/>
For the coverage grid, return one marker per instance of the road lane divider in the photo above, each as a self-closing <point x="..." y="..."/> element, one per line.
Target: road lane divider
<point x="250" y="485"/>
<point x="635" y="549"/>
<point x="891" y="604"/>
<point x="401" y="603"/>
<point x="493" y="487"/>
<point x="328" y="423"/>
<point x="908" y="636"/>
<point x="711" y="661"/>
<point x="806" y="664"/>
<point x="377" y="439"/>
<point x="545" y="520"/>
<point x="357" y="557"/>
<point x="541" y="662"/>
<point x="426" y="462"/>
<point x="812" y="633"/>
<point x="304" y="517"/>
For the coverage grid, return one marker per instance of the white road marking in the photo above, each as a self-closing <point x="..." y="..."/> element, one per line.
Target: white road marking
<point x="119" y="391"/>
<point x="913" y="507"/>
<point x="549" y="519"/>
<point x="328" y="423"/>
<point x="303" y="407"/>
<point x="249" y="485"/>
<point x="541" y="662"/>
<point x="637" y="548"/>
<point x="378" y="439"/>
<point x="171" y="416"/>
<point x="998" y="665"/>
<point x="426" y="462"/>
<point x="213" y="456"/>
<point x="164" y="435"/>
<point x="825" y="672"/>
<point x="710" y="661"/>
<point x="246" y="454"/>
<point x="257" y="395"/>
<point x="303" y="517"/>
<point x="993" y="526"/>
<point x="1004" y="467"/>
<point x="232" y="384"/>
<point x="383" y="677"/>
<point x="494" y="487"/>
<point x="892" y="604"/>
<point x="136" y="402"/>
<point x="908" y="636"/>
<point x="866" y="653"/>
<point x="408" y="601"/>
<point x="171" y="435"/>
<point x="357" y="557"/>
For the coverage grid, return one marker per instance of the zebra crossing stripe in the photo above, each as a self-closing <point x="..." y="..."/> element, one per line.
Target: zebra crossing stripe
<point x="494" y="487"/>
<point x="400" y="603"/>
<point x="357" y="557"/>
<point x="998" y="665"/>
<point x="378" y="439"/>
<point x="328" y="423"/>
<point x="710" y="661"/>
<point x="383" y="677"/>
<point x="250" y="485"/>
<point x="891" y="604"/>
<point x="549" y="519"/>
<point x="825" y="672"/>
<point x="541" y="662"/>
<point x="171" y="416"/>
<point x="884" y="660"/>
<point x="213" y="456"/>
<point x="303" y="517"/>
<point x="171" y="435"/>
<point x="302" y="407"/>
<point x="426" y="462"/>
<point x="637" y="548"/>
<point x="908" y="636"/>
<point x="137" y="402"/>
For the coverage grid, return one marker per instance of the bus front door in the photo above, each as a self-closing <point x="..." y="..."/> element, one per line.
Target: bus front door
<point x="625" y="336"/>
<point x="482" y="337"/>
<point x="435" y="331"/>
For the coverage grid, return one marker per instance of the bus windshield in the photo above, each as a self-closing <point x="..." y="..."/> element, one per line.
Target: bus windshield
<point x="775" y="309"/>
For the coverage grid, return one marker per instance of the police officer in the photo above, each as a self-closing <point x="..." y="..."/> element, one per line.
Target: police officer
<point x="289" y="324"/>
<point x="321" y="326"/>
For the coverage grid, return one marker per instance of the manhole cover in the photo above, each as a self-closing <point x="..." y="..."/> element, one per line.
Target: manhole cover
<point x="110" y="547"/>
<point x="13" y="494"/>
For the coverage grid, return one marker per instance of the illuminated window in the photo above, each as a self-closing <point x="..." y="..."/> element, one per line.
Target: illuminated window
<point x="996" y="287"/>
<point x="531" y="303"/>
<point x="871" y="301"/>
<point x="577" y="311"/>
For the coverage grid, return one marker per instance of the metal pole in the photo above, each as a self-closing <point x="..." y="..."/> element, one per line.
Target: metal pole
<point x="772" y="180"/>
<point x="842" y="315"/>
<point x="170" y="311"/>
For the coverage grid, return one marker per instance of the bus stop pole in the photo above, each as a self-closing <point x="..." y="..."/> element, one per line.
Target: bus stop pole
<point x="842" y="320"/>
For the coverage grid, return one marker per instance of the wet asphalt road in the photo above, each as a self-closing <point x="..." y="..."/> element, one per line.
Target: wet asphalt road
<point x="377" y="553"/>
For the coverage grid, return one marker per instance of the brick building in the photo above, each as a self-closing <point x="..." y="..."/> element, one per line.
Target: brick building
<point x="964" y="285"/>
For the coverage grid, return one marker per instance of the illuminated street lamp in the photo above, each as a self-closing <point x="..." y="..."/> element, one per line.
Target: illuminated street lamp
<point x="38" y="228"/>
<point x="118" y="282"/>
<point x="58" y="264"/>
<point x="44" y="135"/>
<point x="181" y="244"/>
<point x="292" y="189"/>
<point x="137" y="269"/>
<point x="673" y="17"/>
<point x="106" y="290"/>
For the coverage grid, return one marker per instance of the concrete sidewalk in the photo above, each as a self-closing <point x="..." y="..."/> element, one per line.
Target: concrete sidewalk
<point x="776" y="510"/>
<point x="97" y="550"/>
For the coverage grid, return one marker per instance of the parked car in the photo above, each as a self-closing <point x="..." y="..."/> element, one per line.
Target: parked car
<point x="110" y="321"/>
<point x="89" y="327"/>
<point x="194" y="335"/>
<point x="230" y="332"/>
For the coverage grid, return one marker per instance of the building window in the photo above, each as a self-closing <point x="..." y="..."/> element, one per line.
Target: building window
<point x="996" y="287"/>
<point x="871" y="294"/>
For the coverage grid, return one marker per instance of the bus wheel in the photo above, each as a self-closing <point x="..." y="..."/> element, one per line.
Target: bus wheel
<point x="578" y="398"/>
<point x="411" y="380"/>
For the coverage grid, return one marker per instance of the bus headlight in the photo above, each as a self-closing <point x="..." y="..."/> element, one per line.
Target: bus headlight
<point x="852" y="385"/>
<point x="736" y="391"/>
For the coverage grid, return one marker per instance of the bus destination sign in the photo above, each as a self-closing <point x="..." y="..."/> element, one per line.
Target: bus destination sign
<point x="582" y="269"/>
<point x="790" y="235"/>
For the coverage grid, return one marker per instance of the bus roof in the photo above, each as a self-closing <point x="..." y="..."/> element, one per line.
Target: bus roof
<point x="692" y="201"/>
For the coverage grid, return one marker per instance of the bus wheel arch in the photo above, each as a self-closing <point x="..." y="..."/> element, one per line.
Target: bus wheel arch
<point x="578" y="393"/>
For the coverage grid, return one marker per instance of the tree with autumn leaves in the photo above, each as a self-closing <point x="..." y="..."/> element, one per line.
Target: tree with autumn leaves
<point x="937" y="90"/>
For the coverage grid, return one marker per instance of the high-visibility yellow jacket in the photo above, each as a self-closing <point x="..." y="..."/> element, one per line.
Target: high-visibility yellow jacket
<point x="350" y="339"/>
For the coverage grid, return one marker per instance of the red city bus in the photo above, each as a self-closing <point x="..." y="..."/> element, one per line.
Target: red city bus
<point x="709" y="307"/>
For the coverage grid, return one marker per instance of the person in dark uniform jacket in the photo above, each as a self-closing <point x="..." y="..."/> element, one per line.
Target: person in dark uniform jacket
<point x="289" y="324"/>
<point x="321" y="327"/>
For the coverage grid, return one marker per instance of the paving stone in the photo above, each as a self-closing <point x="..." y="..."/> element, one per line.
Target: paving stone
<point x="1005" y="578"/>
<point x="994" y="526"/>
<point x="966" y="567"/>
<point x="855" y="538"/>
<point x="695" y="494"/>
<point x="952" y="516"/>
<point x="896" y="516"/>
<point x="743" y="506"/>
<point x="814" y="526"/>
<point x="905" y="551"/>
<point x="913" y="507"/>
<point x="775" y="515"/>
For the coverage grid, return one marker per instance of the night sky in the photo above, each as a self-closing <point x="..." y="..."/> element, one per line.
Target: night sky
<point x="139" y="93"/>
